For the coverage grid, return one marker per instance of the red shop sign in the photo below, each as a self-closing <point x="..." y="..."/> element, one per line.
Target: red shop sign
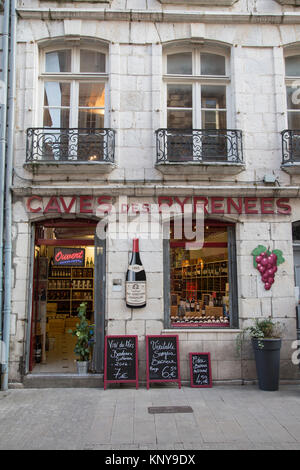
<point x="69" y="256"/>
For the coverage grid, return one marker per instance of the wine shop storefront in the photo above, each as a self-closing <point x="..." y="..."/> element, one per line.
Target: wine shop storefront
<point x="202" y="280"/>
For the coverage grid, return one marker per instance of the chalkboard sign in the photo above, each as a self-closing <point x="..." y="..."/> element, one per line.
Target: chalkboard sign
<point x="200" y="368"/>
<point x="121" y="359"/>
<point x="162" y="359"/>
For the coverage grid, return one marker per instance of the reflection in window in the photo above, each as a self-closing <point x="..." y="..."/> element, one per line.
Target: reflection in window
<point x="92" y="61"/>
<point x="74" y="105"/>
<point x="292" y="69"/>
<point x="197" y="104"/>
<point x="212" y="64"/>
<point x="292" y="66"/>
<point x="73" y="101"/>
<point x="58" y="61"/>
<point x="56" y="104"/>
<point x="214" y="100"/>
<point x="180" y="64"/>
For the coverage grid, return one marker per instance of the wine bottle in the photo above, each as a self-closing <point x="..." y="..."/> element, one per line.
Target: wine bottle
<point x="135" y="279"/>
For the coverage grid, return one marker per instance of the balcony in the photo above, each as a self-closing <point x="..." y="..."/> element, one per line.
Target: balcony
<point x="199" y="151"/>
<point x="55" y="150"/>
<point x="291" y="151"/>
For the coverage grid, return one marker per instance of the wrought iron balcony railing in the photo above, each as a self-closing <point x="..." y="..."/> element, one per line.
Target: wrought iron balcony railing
<point x="199" y="145"/>
<point x="70" y="145"/>
<point x="290" y="146"/>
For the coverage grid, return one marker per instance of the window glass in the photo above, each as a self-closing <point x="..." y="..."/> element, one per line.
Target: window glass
<point x="294" y="120"/>
<point x="293" y="97"/>
<point x="213" y="97"/>
<point x="92" y="61"/>
<point x="91" y="118"/>
<point x="180" y="96"/>
<point x="57" y="94"/>
<point x="58" y="61"/>
<point x="91" y="105"/>
<point x="180" y="64"/>
<point x="292" y="66"/>
<point x="214" y="120"/>
<point x="55" y="117"/>
<point x="212" y="64"/>
<point x="91" y="95"/>
<point x="180" y="119"/>
<point x="200" y="284"/>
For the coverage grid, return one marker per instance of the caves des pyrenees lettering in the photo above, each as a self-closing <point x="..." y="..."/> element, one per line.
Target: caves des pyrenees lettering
<point x="105" y="204"/>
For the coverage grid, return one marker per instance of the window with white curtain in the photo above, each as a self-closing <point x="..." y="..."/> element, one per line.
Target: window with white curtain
<point x="73" y="88"/>
<point x="292" y="73"/>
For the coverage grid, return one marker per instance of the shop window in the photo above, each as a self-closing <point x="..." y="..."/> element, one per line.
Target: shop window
<point x="203" y="288"/>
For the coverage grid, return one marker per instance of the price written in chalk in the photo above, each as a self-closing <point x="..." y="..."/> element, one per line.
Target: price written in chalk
<point x="162" y="359"/>
<point x="200" y="369"/>
<point x="121" y="359"/>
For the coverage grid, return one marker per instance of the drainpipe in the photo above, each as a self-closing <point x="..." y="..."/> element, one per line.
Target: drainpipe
<point x="3" y="121"/>
<point x="8" y="195"/>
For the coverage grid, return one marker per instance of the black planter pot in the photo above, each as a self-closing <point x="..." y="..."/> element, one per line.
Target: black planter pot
<point x="267" y="363"/>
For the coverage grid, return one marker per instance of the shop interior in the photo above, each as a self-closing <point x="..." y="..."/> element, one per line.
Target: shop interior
<point x="63" y="279"/>
<point x="199" y="280"/>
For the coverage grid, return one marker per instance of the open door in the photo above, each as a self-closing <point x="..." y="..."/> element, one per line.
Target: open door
<point x="99" y="303"/>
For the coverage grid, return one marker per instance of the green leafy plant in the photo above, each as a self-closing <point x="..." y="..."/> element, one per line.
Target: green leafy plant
<point x="84" y="333"/>
<point x="263" y="328"/>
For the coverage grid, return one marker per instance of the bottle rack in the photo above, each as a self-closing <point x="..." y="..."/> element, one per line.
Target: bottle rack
<point x="195" y="280"/>
<point x="69" y="287"/>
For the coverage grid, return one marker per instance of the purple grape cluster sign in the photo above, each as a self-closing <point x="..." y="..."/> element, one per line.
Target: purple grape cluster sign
<point x="266" y="262"/>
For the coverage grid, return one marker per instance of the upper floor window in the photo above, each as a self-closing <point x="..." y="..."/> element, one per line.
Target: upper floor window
<point x="292" y="73"/>
<point x="73" y="88"/>
<point x="196" y="90"/>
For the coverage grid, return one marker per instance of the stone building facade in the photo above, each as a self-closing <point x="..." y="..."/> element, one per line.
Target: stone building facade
<point x="150" y="53"/>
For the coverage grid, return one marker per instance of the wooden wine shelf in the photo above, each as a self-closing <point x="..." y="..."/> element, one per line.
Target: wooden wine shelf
<point x="72" y="302"/>
<point x="212" y="277"/>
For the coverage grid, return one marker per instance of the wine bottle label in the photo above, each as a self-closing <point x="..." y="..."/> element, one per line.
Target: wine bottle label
<point x="136" y="268"/>
<point x="135" y="293"/>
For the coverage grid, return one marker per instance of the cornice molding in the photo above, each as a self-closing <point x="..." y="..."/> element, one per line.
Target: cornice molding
<point x="158" y="16"/>
<point x="295" y="3"/>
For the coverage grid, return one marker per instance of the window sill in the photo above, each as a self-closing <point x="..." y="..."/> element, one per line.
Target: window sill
<point x="69" y="168"/>
<point x="199" y="168"/>
<point x="289" y="2"/>
<point x="201" y="330"/>
<point x="79" y="1"/>
<point x="291" y="168"/>
<point x="213" y="3"/>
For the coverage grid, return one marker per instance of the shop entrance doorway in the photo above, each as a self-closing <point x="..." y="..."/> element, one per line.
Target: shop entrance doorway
<point x="68" y="271"/>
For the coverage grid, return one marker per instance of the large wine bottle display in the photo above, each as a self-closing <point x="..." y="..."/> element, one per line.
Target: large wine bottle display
<point x="135" y="279"/>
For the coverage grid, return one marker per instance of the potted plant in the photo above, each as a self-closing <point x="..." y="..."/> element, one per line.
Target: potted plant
<point x="266" y="342"/>
<point x="84" y="334"/>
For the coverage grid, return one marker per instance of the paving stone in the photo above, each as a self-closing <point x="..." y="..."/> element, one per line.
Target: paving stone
<point x="243" y="418"/>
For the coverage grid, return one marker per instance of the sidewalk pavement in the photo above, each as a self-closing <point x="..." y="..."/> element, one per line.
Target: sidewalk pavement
<point x="223" y="417"/>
